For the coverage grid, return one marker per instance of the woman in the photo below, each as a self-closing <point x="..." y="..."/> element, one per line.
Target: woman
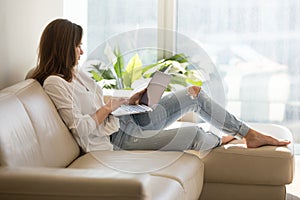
<point x="79" y="101"/>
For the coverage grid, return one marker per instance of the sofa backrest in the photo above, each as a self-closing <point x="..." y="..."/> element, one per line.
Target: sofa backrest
<point x="31" y="131"/>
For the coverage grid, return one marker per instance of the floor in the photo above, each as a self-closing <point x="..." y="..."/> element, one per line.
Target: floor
<point x="293" y="190"/>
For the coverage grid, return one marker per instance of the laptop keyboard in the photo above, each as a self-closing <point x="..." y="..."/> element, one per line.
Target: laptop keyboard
<point x="135" y="108"/>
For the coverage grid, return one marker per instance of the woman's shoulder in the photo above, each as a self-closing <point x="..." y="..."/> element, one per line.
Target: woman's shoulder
<point x="55" y="80"/>
<point x="56" y="84"/>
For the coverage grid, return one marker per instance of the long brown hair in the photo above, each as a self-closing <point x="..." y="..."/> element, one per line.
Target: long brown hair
<point x="56" y="55"/>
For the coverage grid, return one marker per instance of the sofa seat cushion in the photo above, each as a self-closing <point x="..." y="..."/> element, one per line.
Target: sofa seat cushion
<point x="40" y="183"/>
<point x="266" y="165"/>
<point x="183" y="171"/>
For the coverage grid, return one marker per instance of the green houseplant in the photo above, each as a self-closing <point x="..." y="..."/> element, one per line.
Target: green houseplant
<point x="123" y="77"/>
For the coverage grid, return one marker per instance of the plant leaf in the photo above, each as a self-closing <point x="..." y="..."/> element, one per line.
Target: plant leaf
<point x="133" y="71"/>
<point x="194" y="82"/>
<point x="108" y="84"/>
<point x="148" y="67"/>
<point x="95" y="75"/>
<point x="178" y="79"/>
<point x="181" y="58"/>
<point x="107" y="74"/>
<point x="194" y="77"/>
<point x="119" y="65"/>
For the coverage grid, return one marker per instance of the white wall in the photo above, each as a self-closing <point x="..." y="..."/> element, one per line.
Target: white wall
<point x="21" y="25"/>
<point x="76" y="11"/>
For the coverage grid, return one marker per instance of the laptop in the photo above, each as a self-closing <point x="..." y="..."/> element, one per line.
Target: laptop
<point x="150" y="98"/>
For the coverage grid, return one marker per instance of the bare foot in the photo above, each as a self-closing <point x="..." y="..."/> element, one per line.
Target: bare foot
<point x="227" y="138"/>
<point x="256" y="139"/>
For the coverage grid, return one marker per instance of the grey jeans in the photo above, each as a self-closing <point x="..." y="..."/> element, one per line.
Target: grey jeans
<point x="147" y="131"/>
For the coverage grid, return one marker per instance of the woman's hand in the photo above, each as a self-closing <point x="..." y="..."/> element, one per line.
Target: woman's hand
<point x="115" y="103"/>
<point x="136" y="98"/>
<point x="112" y="104"/>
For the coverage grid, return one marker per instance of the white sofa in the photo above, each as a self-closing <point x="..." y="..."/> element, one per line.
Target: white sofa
<point x="39" y="159"/>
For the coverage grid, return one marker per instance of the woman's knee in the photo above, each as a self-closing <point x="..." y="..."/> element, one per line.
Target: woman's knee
<point x="194" y="90"/>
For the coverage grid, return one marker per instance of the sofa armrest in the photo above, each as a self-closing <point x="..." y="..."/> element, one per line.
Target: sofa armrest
<point x="49" y="183"/>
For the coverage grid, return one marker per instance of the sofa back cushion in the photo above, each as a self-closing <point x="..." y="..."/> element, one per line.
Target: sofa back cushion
<point x="31" y="131"/>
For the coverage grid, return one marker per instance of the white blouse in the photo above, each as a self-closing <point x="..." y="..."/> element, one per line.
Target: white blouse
<point x="77" y="102"/>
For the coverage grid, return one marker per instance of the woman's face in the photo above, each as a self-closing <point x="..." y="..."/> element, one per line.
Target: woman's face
<point x="79" y="52"/>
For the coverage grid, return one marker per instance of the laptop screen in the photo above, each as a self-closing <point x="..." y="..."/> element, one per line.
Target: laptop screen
<point x="155" y="88"/>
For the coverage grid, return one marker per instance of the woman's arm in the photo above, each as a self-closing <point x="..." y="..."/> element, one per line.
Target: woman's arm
<point x="102" y="113"/>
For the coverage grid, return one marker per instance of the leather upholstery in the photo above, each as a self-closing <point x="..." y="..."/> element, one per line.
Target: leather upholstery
<point x="233" y="171"/>
<point x="40" y="159"/>
<point x="242" y="173"/>
<point x="62" y="184"/>
<point x="222" y="191"/>
<point x="183" y="168"/>
<point x="32" y="133"/>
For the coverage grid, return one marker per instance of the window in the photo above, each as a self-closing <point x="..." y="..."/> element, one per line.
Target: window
<point x="253" y="45"/>
<point x="103" y="19"/>
<point x="108" y="18"/>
